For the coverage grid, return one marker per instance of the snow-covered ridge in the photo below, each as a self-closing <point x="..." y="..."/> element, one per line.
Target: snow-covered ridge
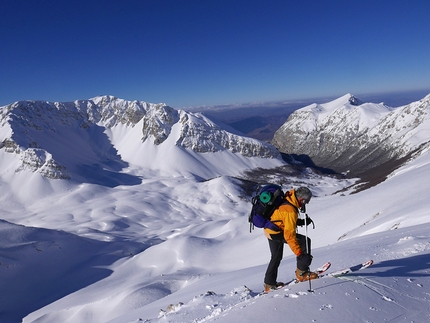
<point x="38" y="132"/>
<point x="344" y="130"/>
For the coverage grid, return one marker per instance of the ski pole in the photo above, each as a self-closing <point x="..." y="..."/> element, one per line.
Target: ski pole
<point x="308" y="251"/>
<point x="306" y="232"/>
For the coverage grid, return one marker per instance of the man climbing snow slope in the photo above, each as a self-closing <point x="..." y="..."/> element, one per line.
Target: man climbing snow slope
<point x="286" y="217"/>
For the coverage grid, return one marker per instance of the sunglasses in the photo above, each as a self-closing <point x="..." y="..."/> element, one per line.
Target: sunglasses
<point x="305" y="201"/>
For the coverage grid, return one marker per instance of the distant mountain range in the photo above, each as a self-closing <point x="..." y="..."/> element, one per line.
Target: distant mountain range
<point x="97" y="140"/>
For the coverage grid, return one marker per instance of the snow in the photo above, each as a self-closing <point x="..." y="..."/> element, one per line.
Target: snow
<point x="127" y="253"/>
<point x="363" y="116"/>
<point x="172" y="247"/>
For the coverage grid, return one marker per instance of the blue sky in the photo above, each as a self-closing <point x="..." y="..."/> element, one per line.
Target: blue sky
<point x="208" y="52"/>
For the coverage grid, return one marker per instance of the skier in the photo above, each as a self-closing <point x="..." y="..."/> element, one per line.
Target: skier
<point x="286" y="218"/>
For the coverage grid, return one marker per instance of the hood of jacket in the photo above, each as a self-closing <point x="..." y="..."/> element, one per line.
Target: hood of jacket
<point x="291" y="198"/>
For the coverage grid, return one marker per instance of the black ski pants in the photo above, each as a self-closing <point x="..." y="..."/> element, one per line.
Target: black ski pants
<point x="276" y="246"/>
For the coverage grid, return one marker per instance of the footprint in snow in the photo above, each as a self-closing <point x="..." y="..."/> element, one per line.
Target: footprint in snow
<point x="412" y="280"/>
<point x="385" y="298"/>
<point x="326" y="306"/>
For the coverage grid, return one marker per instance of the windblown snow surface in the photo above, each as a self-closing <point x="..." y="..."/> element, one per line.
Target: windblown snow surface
<point x="172" y="248"/>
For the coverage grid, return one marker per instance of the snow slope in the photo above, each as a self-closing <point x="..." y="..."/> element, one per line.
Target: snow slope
<point x="178" y="249"/>
<point x="128" y="259"/>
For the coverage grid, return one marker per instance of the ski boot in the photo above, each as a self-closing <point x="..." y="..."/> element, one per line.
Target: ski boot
<point x="304" y="275"/>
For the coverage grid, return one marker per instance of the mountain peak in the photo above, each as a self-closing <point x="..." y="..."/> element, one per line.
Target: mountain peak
<point x="354" y="101"/>
<point x="335" y="133"/>
<point x="347" y="99"/>
<point x="103" y="98"/>
<point x="95" y="140"/>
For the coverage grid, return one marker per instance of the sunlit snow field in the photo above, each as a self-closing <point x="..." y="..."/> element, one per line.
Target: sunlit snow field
<point x="175" y="249"/>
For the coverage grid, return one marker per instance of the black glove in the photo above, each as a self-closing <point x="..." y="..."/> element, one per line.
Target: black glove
<point x="304" y="261"/>
<point x="301" y="222"/>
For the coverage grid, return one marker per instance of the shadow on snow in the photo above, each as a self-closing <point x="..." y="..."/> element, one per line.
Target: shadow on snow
<point x="40" y="266"/>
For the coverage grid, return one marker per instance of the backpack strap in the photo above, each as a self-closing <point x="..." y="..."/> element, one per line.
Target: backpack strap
<point x="272" y="226"/>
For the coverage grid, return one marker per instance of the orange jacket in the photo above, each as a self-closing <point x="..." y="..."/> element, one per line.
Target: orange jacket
<point x="285" y="217"/>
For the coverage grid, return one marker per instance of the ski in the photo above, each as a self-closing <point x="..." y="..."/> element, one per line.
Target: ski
<point x="338" y="273"/>
<point x="323" y="268"/>
<point x="320" y="270"/>
<point x="349" y="270"/>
